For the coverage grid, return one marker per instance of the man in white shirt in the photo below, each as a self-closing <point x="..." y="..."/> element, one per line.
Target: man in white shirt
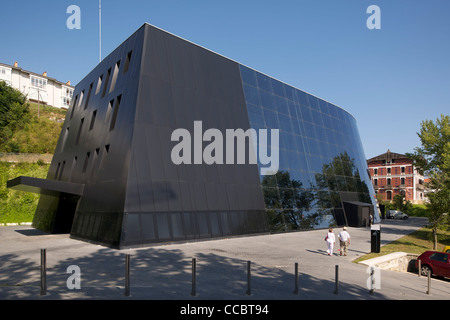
<point x="344" y="239"/>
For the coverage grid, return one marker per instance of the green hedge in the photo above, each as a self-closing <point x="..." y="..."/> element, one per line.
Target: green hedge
<point x="418" y="210"/>
<point x="38" y="134"/>
<point x="19" y="206"/>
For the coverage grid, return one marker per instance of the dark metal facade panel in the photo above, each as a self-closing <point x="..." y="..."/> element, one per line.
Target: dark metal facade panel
<point x="181" y="83"/>
<point x="94" y="148"/>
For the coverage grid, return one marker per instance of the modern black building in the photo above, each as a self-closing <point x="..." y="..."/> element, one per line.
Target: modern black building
<point x="113" y="179"/>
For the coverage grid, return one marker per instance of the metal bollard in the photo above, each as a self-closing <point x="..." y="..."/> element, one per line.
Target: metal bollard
<point x="336" y="289"/>
<point x="296" y="279"/>
<point x="127" y="275"/>
<point x="43" y="272"/>
<point x="249" y="280"/>
<point x="194" y="272"/>
<point x="429" y="282"/>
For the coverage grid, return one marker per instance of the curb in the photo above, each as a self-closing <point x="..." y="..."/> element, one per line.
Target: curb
<point x="15" y="224"/>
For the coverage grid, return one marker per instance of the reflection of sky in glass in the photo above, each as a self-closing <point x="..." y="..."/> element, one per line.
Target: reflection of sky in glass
<point x="321" y="154"/>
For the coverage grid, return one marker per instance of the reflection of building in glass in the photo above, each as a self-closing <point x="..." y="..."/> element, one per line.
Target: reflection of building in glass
<point x="322" y="162"/>
<point x="393" y="174"/>
<point x="112" y="179"/>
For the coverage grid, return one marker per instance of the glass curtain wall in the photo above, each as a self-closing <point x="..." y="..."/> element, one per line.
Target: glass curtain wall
<point x="320" y="154"/>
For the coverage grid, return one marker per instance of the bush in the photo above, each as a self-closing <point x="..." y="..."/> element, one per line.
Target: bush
<point x="418" y="210"/>
<point x="32" y="129"/>
<point x="14" y="112"/>
<point x="18" y="206"/>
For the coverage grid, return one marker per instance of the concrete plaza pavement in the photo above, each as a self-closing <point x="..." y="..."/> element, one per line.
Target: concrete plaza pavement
<point x="164" y="272"/>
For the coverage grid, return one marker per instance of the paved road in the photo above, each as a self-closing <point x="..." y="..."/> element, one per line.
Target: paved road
<point x="163" y="272"/>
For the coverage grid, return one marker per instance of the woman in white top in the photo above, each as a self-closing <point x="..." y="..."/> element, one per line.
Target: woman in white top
<point x="330" y="239"/>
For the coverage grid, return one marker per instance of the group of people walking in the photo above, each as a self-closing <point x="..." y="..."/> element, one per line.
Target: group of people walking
<point x="344" y="241"/>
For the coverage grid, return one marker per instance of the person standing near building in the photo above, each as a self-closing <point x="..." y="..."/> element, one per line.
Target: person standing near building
<point x="331" y="240"/>
<point x="344" y="239"/>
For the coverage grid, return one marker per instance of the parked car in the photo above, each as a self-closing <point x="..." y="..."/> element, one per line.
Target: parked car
<point x="390" y="213"/>
<point x="437" y="262"/>
<point x="446" y="249"/>
<point x="396" y="214"/>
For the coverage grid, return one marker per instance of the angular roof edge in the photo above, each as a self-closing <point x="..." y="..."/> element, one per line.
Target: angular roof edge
<point x="153" y="26"/>
<point x="146" y="25"/>
<point x="388" y="155"/>
<point x="36" y="74"/>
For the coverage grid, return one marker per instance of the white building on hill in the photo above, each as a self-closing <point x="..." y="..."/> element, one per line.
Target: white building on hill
<point x="38" y="88"/>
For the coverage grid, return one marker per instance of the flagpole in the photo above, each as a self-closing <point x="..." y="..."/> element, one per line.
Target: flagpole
<point x="100" y="28"/>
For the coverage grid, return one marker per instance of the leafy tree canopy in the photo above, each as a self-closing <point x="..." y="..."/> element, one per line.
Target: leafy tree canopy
<point x="14" y="111"/>
<point x="433" y="160"/>
<point x="433" y="157"/>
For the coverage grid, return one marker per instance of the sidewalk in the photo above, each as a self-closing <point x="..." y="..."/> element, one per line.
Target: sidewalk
<point x="164" y="272"/>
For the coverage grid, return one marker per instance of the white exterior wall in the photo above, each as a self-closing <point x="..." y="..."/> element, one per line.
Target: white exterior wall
<point x="5" y="74"/>
<point x="419" y="188"/>
<point x="53" y="94"/>
<point x="66" y="94"/>
<point x="24" y="83"/>
<point x="57" y="95"/>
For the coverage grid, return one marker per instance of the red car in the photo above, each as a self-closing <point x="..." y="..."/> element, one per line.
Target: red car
<point x="437" y="262"/>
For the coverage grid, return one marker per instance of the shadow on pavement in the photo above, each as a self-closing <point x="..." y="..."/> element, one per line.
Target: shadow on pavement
<point x="164" y="274"/>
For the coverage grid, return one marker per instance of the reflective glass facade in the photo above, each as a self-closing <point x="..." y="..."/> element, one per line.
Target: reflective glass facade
<point x="322" y="163"/>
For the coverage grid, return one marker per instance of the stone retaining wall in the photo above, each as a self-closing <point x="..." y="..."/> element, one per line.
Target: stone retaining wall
<point x="25" y="157"/>
<point x="396" y="261"/>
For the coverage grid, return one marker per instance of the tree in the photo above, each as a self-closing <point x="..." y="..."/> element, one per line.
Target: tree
<point x="401" y="204"/>
<point x="288" y="204"/>
<point x="14" y="111"/>
<point x="433" y="160"/>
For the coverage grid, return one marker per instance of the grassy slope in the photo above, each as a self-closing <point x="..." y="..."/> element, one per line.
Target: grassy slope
<point x="40" y="136"/>
<point x="416" y="242"/>
<point x="18" y="206"/>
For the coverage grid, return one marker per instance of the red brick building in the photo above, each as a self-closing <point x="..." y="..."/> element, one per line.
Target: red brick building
<point x="394" y="173"/>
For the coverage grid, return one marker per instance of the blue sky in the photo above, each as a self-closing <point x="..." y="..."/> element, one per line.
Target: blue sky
<point x="389" y="79"/>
